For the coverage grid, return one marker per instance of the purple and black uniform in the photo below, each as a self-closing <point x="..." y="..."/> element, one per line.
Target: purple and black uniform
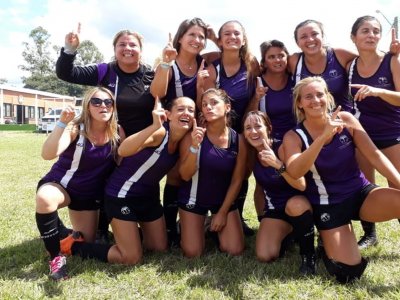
<point x="209" y="185"/>
<point x="132" y="90"/>
<point x="380" y="119"/>
<point x="82" y="170"/>
<point x="276" y="189"/>
<point x="181" y="85"/>
<point x="136" y="180"/>
<point x="278" y="105"/>
<point x="238" y="88"/>
<point x="334" y="75"/>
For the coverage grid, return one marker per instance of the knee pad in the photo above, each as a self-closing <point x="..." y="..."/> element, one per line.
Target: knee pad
<point x="344" y="273"/>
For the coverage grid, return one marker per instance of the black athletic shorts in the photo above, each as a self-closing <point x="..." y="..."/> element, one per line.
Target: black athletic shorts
<point x="202" y="210"/>
<point x="78" y="203"/>
<point x="386" y="143"/>
<point x="135" y="209"/>
<point x="279" y="214"/>
<point x="336" y="215"/>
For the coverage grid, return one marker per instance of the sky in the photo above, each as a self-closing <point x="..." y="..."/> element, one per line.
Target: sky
<point x="101" y="19"/>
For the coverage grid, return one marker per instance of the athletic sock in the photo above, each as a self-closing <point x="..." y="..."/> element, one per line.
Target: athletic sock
<point x="369" y="228"/>
<point x="103" y="220"/>
<point x="90" y="250"/>
<point x="303" y="229"/>
<point x="171" y="206"/>
<point x="48" y="228"/>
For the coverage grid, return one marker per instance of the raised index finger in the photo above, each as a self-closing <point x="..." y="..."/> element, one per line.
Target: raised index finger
<point x="336" y="112"/>
<point x="266" y="146"/>
<point x="170" y="38"/>
<point x="393" y="34"/>
<point x="157" y="103"/>
<point x="78" y="30"/>
<point x="194" y="124"/>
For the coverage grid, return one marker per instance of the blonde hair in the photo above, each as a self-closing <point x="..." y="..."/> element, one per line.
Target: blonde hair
<point x="85" y="118"/>
<point x="299" y="112"/>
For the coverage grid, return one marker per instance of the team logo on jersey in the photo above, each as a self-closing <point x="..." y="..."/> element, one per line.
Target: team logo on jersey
<point x="125" y="210"/>
<point x="382" y="80"/>
<point x="325" y="217"/>
<point x="344" y="140"/>
<point x="146" y="87"/>
<point x="190" y="205"/>
<point x="79" y="144"/>
<point x="111" y="85"/>
<point x="333" y="73"/>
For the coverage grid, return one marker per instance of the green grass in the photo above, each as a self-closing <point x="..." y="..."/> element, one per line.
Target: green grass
<point x="18" y="127"/>
<point x="24" y="268"/>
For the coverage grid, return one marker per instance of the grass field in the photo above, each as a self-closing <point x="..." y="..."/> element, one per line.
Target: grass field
<point x="24" y="267"/>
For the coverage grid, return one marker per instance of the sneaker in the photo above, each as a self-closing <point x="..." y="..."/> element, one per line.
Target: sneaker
<point x="66" y="244"/>
<point x="307" y="266"/>
<point x="367" y="240"/>
<point x="246" y="229"/>
<point x="58" y="268"/>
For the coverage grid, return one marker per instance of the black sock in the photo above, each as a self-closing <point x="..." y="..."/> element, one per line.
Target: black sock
<point x="369" y="228"/>
<point x="171" y="206"/>
<point x="103" y="220"/>
<point x="48" y="228"/>
<point x="241" y="197"/>
<point x="90" y="250"/>
<point x="303" y="229"/>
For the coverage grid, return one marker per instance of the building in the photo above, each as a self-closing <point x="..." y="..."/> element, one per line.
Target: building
<point x="27" y="106"/>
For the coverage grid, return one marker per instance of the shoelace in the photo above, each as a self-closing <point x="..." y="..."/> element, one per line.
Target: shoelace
<point x="57" y="263"/>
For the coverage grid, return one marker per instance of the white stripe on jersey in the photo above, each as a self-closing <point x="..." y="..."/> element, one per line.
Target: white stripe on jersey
<point x="178" y="83"/>
<point x="323" y="194"/>
<point x="143" y="168"/>
<point x="269" y="203"/>
<point x="195" y="182"/>
<point x="75" y="161"/>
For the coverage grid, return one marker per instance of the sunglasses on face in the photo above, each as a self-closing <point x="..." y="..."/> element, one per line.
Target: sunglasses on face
<point x="96" y="102"/>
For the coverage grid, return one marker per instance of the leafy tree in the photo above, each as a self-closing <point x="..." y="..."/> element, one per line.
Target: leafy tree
<point x="3" y="80"/>
<point x="88" y="53"/>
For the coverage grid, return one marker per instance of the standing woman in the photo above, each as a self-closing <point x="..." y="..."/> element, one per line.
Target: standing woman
<point x="212" y="166"/>
<point x="286" y="209"/>
<point x="274" y="97"/>
<point x="132" y="191"/>
<point x="127" y="76"/>
<point x="375" y="80"/>
<point x="322" y="149"/>
<point x="87" y="148"/>
<point x="180" y="80"/>
<point x="235" y="73"/>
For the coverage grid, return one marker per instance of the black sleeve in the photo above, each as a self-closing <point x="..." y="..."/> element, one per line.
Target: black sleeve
<point x="65" y="70"/>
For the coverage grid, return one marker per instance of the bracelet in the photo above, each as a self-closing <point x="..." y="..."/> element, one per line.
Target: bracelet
<point x="282" y="169"/>
<point x="165" y="65"/>
<point x="61" y="124"/>
<point x="193" y="150"/>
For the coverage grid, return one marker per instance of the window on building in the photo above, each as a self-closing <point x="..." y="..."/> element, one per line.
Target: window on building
<point x="7" y="110"/>
<point x="41" y="111"/>
<point x="31" y="112"/>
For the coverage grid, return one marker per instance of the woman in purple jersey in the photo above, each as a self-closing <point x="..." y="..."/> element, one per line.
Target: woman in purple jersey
<point x="322" y="149"/>
<point x="212" y="166"/>
<point x="285" y="209"/>
<point x="132" y="191"/>
<point x="86" y="147"/>
<point x="235" y="73"/>
<point x="375" y="80"/>
<point x="274" y="97"/>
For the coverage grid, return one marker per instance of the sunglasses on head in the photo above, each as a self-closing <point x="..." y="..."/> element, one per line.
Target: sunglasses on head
<point x="96" y="102"/>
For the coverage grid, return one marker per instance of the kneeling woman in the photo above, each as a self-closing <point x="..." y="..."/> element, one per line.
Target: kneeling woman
<point x="322" y="149"/>
<point x="86" y="147"/>
<point x="132" y="191"/>
<point x="286" y="210"/>
<point x="212" y="167"/>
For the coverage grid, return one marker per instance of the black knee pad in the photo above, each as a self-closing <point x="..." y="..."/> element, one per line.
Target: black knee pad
<point x="344" y="273"/>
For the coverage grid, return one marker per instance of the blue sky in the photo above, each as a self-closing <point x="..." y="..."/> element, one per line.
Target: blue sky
<point x="101" y="19"/>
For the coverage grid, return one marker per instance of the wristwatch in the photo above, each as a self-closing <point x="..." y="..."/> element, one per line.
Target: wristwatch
<point x="282" y="169"/>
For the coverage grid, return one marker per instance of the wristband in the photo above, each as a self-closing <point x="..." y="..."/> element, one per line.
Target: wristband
<point x="193" y="150"/>
<point x="61" y="124"/>
<point x="69" y="50"/>
<point x="282" y="169"/>
<point x="165" y="65"/>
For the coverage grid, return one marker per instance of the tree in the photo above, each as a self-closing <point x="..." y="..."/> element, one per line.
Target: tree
<point x="88" y="53"/>
<point x="3" y="80"/>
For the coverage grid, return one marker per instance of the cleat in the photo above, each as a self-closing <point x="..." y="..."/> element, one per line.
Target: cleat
<point x="367" y="240"/>
<point x="66" y="244"/>
<point x="307" y="266"/>
<point x="58" y="268"/>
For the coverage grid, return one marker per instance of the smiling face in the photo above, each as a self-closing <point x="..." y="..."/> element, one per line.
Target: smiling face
<point x="182" y="113"/>
<point x="309" y="38"/>
<point x="231" y="36"/>
<point x="193" y="40"/>
<point x="256" y="130"/>
<point x="127" y="50"/>
<point x="275" y="60"/>
<point x="367" y="35"/>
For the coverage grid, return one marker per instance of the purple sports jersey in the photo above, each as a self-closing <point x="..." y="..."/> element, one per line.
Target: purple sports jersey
<point x="334" y="75"/>
<point x="279" y="107"/>
<point x="82" y="169"/>
<point x="140" y="174"/>
<point x="335" y="175"/>
<point x="380" y="119"/>
<point x="276" y="189"/>
<point x="238" y="88"/>
<point x="181" y="85"/>
<point x="209" y="185"/>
